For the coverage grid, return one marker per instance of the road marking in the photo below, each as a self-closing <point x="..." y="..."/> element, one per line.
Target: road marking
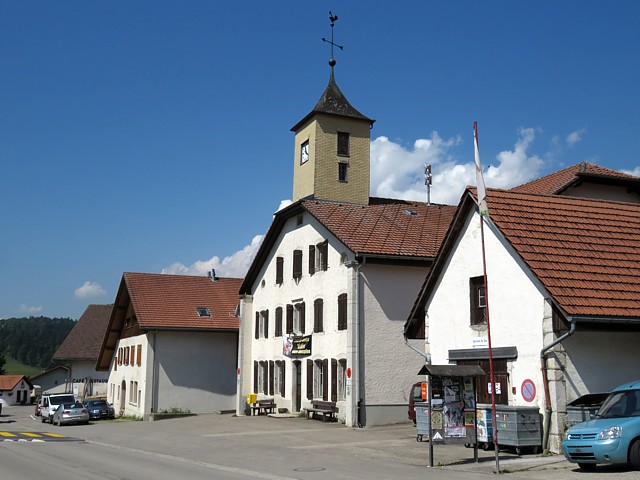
<point x="7" y="434"/>
<point x="29" y="434"/>
<point x="55" y="435"/>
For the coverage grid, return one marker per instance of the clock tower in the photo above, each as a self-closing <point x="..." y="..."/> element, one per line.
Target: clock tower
<point x="332" y="149"/>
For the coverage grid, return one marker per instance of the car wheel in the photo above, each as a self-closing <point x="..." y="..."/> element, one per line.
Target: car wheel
<point x="634" y="454"/>
<point x="587" y="467"/>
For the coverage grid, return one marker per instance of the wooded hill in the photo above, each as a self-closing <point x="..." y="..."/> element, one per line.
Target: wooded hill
<point x="33" y="340"/>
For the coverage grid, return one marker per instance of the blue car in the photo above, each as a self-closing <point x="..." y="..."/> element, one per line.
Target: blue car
<point x="613" y="436"/>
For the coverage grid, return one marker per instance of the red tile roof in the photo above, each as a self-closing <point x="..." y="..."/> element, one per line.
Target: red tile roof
<point x="85" y="339"/>
<point x="170" y="301"/>
<point x="586" y="252"/>
<point x="8" y="382"/>
<point x="559" y="181"/>
<point x="400" y="228"/>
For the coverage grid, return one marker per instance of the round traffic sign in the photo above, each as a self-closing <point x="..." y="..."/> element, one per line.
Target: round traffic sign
<point x="349" y="372"/>
<point x="528" y="390"/>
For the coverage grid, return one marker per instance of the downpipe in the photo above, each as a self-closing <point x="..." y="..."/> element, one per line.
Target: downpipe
<point x="545" y="384"/>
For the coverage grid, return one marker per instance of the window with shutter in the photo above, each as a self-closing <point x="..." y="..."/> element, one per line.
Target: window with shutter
<point x="334" y="380"/>
<point x="324" y="255"/>
<point x="325" y="379"/>
<point x="279" y="270"/>
<point x="309" y="379"/>
<point x="342" y="379"/>
<point x="478" y="301"/>
<point x="271" y="376"/>
<point x="257" y="333"/>
<point x="289" y="319"/>
<point x="342" y="311"/>
<point x="255" y="376"/>
<point x="297" y="264"/>
<point x="298" y="319"/>
<point x="318" y="306"/>
<point x="312" y="259"/>
<point x="139" y="355"/>
<point x="278" y="329"/>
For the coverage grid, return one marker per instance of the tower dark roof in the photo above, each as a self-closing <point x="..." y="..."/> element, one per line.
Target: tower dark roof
<point x="333" y="102"/>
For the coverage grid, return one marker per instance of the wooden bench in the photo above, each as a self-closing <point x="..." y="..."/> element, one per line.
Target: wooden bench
<point x="327" y="409"/>
<point x="264" y="406"/>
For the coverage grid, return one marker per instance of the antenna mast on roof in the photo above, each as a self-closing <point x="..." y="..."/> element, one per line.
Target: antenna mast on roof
<point x="332" y="61"/>
<point x="428" y="180"/>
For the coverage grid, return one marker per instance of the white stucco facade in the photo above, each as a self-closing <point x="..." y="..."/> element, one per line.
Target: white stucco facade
<point x="521" y="317"/>
<point x="370" y="346"/>
<point x="174" y="371"/>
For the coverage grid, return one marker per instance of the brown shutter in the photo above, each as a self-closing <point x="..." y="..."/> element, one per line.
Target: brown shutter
<point x="297" y="264"/>
<point x="278" y="332"/>
<point x="324" y="255"/>
<point x="139" y="355"/>
<point x="289" y="319"/>
<point x="317" y="315"/>
<point x="271" y="377"/>
<point x="266" y="324"/>
<point x="302" y="326"/>
<point x="309" y="379"/>
<point x="342" y="311"/>
<point x="325" y="379"/>
<point x="279" y="270"/>
<point x="282" y="377"/>
<point x="265" y="378"/>
<point x="334" y="380"/>
<point x="255" y="376"/>
<point x="257" y="325"/>
<point x="312" y="259"/>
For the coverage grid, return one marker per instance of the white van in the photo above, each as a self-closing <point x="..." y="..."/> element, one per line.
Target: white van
<point x="51" y="402"/>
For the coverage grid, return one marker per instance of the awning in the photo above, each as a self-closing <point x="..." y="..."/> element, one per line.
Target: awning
<point x="452" y="370"/>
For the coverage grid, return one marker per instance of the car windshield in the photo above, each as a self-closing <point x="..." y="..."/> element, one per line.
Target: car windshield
<point x="621" y="404"/>
<point x="97" y="403"/>
<point x="62" y="399"/>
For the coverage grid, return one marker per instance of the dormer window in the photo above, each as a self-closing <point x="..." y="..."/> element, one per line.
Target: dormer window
<point x="203" y="312"/>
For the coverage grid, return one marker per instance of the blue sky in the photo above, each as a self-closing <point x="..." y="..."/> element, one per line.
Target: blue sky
<point x="154" y="136"/>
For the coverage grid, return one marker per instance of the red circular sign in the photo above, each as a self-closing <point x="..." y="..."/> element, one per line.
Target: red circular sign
<point x="238" y="371"/>
<point x="349" y="372"/>
<point x="528" y="390"/>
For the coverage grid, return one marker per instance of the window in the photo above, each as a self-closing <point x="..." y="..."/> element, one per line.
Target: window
<point x="262" y="324"/>
<point x="279" y="378"/>
<point x="320" y="379"/>
<point x="342" y="311"/>
<point x="278" y="332"/>
<point x="341" y="393"/>
<point x="343" y="144"/>
<point x="203" y="312"/>
<point x="262" y="370"/>
<point x="318" y="257"/>
<point x="133" y="392"/>
<point x="478" y="301"/>
<point x="304" y="152"/>
<point x="318" y="306"/>
<point x="279" y="270"/>
<point x="298" y="319"/>
<point x="126" y="355"/>
<point x="297" y="264"/>
<point x="342" y="171"/>
<point x="139" y="355"/>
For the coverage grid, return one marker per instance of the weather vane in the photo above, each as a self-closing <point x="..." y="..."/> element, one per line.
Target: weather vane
<point x="332" y="19"/>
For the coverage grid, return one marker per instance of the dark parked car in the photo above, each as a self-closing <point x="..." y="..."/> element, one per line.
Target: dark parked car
<point x="100" y="409"/>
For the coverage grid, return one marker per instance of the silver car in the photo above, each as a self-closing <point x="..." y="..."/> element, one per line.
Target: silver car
<point x="70" y="413"/>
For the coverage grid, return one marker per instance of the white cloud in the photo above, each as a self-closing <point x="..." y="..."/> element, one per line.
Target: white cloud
<point x="635" y="172"/>
<point x="284" y="204"/>
<point x="575" y="137"/>
<point x="235" y="265"/>
<point x="90" y="290"/>
<point x="397" y="171"/>
<point x="29" y="309"/>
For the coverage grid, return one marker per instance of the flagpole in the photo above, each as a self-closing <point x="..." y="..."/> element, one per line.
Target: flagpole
<point x="484" y="211"/>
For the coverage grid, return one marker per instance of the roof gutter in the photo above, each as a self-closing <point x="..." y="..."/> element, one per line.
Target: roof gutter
<point x="545" y="381"/>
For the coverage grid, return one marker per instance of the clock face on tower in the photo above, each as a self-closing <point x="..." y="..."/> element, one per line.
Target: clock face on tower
<point x="304" y="152"/>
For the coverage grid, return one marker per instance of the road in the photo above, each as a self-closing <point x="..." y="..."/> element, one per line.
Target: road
<point x="227" y="447"/>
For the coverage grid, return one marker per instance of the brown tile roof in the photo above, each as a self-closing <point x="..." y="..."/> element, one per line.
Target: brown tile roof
<point x="400" y="228"/>
<point x="85" y="339"/>
<point x="8" y="382"/>
<point x="559" y="181"/>
<point x="586" y="252"/>
<point x="170" y="301"/>
<point x="397" y="229"/>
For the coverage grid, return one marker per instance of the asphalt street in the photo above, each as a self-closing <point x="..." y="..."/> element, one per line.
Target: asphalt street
<point x="229" y="447"/>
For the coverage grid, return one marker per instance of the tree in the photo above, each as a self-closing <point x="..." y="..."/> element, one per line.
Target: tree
<point x="2" y="363"/>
